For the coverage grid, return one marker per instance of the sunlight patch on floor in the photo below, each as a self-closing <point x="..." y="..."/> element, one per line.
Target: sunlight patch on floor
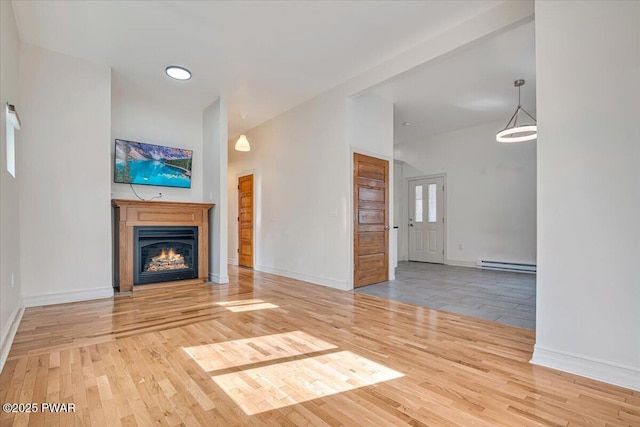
<point x="229" y="354"/>
<point x="282" y="384"/>
<point x="246" y="305"/>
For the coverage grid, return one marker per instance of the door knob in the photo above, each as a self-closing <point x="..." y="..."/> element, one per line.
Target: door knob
<point x="410" y="225"/>
<point x="387" y="227"/>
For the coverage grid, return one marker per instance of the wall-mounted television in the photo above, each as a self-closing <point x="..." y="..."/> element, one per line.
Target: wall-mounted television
<point x="148" y="164"/>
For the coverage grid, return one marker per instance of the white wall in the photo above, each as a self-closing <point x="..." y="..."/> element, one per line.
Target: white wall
<point x="370" y="125"/>
<point x="135" y="117"/>
<point x="398" y="212"/>
<point x="300" y="162"/>
<point x="215" y="186"/>
<point x="10" y="294"/>
<point x="587" y="67"/>
<point x="65" y="211"/>
<point x="491" y="193"/>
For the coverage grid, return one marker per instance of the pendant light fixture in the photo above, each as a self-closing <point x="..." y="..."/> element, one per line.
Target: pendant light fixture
<point x="515" y="132"/>
<point x="242" y="144"/>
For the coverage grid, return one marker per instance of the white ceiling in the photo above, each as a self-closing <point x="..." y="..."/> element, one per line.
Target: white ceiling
<point x="265" y="56"/>
<point x="466" y="88"/>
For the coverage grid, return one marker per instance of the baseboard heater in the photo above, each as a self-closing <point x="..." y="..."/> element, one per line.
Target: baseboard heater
<point x="507" y="266"/>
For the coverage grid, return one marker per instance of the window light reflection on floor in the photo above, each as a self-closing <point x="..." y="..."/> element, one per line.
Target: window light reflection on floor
<point x="282" y="384"/>
<point x="246" y="305"/>
<point x="230" y="354"/>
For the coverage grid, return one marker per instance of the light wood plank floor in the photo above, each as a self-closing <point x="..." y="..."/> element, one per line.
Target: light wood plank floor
<point x="266" y="350"/>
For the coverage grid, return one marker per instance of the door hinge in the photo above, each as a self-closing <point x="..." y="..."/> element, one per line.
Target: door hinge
<point x="238" y="250"/>
<point x="238" y="187"/>
<point x="238" y="218"/>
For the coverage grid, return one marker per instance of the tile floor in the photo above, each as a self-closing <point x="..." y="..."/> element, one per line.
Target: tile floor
<point x="499" y="296"/>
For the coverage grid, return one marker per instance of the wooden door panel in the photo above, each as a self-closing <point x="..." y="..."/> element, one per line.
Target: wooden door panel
<point x="245" y="221"/>
<point x="371" y="183"/>
<point x="368" y="262"/>
<point x="372" y="171"/>
<point x="370" y="250"/>
<point x="371" y="239"/>
<point x="371" y="217"/>
<point x="371" y="228"/>
<point x="371" y="194"/>
<point x="371" y="276"/>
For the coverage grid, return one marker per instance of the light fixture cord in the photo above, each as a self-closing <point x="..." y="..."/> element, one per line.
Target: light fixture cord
<point x="519" y="103"/>
<point x="515" y="123"/>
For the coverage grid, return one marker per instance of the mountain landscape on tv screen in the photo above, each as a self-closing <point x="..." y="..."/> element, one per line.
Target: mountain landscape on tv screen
<point x="148" y="164"/>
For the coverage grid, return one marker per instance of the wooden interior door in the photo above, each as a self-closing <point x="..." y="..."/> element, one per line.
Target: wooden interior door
<point x="245" y="221"/>
<point x="371" y="217"/>
<point x="426" y="219"/>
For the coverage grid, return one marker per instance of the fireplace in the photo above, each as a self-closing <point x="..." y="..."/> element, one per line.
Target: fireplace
<point x="164" y="253"/>
<point x="159" y="217"/>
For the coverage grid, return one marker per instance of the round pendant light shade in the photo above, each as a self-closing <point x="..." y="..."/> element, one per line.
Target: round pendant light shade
<point x="518" y="134"/>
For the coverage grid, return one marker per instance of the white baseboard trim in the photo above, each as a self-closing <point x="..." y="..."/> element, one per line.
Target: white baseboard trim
<point x="331" y="283"/>
<point x="220" y="280"/>
<point x="609" y="372"/>
<point x="64" y="297"/>
<point x="9" y="333"/>
<point x="461" y="263"/>
<point x="232" y="261"/>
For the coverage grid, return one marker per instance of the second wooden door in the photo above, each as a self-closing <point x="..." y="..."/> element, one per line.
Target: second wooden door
<point x="371" y="217"/>
<point x="245" y="221"/>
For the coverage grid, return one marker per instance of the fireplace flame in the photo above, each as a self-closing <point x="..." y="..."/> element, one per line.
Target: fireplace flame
<point x="168" y="259"/>
<point x="169" y="255"/>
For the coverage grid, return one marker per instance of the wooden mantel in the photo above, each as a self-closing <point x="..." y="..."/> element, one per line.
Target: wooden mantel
<point x="130" y="213"/>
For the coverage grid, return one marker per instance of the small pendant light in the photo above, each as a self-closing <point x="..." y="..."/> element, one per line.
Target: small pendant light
<point x="242" y="144"/>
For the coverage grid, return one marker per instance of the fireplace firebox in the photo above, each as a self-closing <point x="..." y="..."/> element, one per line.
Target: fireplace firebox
<point x="164" y="254"/>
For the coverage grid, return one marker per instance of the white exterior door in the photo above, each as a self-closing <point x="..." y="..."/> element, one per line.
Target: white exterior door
<point x="426" y="220"/>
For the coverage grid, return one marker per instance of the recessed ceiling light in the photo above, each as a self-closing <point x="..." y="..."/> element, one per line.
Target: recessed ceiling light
<point x="178" y="73"/>
<point x="406" y="124"/>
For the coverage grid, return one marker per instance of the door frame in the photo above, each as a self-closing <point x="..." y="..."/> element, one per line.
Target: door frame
<point x="405" y="224"/>
<point x="236" y="259"/>
<point x="351" y="211"/>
